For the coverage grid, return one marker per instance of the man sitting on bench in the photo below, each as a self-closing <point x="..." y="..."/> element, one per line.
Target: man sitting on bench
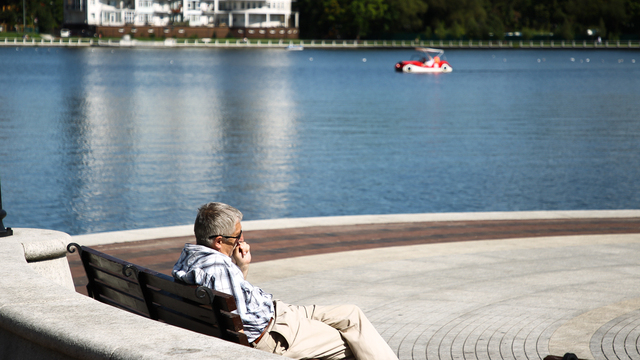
<point x="220" y="260"/>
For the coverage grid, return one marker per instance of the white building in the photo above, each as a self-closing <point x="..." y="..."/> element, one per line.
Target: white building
<point x="211" y="13"/>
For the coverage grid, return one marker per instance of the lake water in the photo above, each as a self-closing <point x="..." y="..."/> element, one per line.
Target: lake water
<point x="96" y="140"/>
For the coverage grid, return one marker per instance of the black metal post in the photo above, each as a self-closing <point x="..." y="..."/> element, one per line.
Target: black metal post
<point x="3" y="232"/>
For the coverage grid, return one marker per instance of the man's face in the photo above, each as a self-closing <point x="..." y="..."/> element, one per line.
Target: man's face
<point x="238" y="235"/>
<point x="229" y="243"/>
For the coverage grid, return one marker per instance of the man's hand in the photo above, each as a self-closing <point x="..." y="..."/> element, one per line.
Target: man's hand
<point x="242" y="257"/>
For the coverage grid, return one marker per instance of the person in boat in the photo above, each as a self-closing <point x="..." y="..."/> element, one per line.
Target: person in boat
<point x="221" y="259"/>
<point x="432" y="61"/>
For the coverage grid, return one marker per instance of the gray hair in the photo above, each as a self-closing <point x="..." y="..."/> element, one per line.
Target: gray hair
<point x="215" y="218"/>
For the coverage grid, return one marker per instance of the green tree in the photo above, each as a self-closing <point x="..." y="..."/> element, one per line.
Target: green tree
<point x="351" y="18"/>
<point x="476" y="19"/>
<point x="11" y="14"/>
<point x="458" y="18"/>
<point x="405" y="15"/>
<point x="364" y="13"/>
<point x="45" y="15"/>
<point x="632" y="25"/>
<point x="333" y="17"/>
<point x="311" y="14"/>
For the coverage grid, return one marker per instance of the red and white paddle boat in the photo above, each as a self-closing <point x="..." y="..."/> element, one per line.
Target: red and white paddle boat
<point x="425" y="62"/>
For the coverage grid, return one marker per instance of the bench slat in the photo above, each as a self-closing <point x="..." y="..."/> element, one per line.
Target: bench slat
<point x="231" y="321"/>
<point x="116" y="282"/>
<point x="169" y="284"/>
<point x="204" y="313"/>
<point x="186" y="306"/>
<point x="116" y="298"/>
<point x="237" y="337"/>
<point x="104" y="261"/>
<point x="178" y="320"/>
<point x="221" y="300"/>
<point x="216" y="317"/>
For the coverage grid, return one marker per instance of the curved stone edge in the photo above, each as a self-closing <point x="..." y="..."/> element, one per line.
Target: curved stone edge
<point x="576" y="334"/>
<point x="249" y="225"/>
<point x="40" y="319"/>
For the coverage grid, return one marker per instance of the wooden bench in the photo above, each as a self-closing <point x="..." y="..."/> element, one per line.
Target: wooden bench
<point x="160" y="297"/>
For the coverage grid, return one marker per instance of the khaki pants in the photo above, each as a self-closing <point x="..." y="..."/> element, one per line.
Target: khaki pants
<point x="323" y="332"/>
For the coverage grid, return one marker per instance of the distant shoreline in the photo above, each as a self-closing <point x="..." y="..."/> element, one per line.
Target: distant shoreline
<point x="323" y="44"/>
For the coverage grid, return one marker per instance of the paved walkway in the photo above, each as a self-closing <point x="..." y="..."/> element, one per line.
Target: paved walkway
<point x="476" y="289"/>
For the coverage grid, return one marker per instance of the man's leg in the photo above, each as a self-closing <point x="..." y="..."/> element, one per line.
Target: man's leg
<point x="363" y="339"/>
<point x="324" y="332"/>
<point x="293" y="334"/>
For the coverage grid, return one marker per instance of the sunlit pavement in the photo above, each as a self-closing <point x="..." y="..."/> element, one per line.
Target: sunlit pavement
<point x="562" y="285"/>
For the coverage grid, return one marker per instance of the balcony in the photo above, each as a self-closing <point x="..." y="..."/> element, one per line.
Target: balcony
<point x="161" y="8"/>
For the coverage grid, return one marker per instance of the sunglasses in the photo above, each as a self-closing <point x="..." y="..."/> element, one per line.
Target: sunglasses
<point x="228" y="237"/>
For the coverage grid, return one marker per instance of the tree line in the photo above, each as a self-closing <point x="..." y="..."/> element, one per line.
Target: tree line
<point x="42" y="15"/>
<point x="469" y="19"/>
<point x="424" y="19"/>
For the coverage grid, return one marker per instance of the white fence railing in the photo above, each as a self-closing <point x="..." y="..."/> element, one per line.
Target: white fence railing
<point x="212" y="43"/>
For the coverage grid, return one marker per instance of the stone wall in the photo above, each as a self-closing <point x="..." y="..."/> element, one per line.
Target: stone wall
<point x="42" y="317"/>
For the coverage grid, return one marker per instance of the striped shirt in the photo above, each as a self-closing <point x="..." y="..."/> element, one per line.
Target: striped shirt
<point x="205" y="266"/>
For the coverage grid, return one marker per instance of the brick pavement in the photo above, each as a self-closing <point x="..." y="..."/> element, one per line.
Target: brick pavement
<point x="619" y="338"/>
<point x="161" y="254"/>
<point x="507" y="299"/>
<point x="447" y="289"/>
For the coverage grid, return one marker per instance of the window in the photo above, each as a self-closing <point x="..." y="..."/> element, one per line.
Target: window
<point x="257" y="20"/>
<point x="129" y="17"/>
<point x="109" y="17"/>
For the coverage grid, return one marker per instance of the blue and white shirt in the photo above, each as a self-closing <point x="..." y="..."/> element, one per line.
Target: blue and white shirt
<point x="201" y="265"/>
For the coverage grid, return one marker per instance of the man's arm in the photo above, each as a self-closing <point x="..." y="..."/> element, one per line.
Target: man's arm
<point x="242" y="257"/>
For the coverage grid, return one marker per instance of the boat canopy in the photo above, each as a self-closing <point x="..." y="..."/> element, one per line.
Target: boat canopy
<point x="430" y="50"/>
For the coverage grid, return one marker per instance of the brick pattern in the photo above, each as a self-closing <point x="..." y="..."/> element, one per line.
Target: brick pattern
<point x="499" y="305"/>
<point x="618" y="339"/>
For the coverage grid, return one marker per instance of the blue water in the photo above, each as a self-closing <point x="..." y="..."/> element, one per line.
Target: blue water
<point x="97" y="139"/>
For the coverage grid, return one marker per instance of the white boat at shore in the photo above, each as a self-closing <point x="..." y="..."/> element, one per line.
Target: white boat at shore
<point x="292" y="47"/>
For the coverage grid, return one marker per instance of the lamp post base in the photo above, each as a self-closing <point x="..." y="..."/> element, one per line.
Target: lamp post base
<point x="4" y="232"/>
